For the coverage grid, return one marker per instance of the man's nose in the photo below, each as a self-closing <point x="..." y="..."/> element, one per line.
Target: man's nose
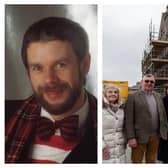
<point x="51" y="77"/>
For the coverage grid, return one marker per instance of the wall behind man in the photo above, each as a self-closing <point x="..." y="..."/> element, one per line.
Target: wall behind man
<point x="17" y="20"/>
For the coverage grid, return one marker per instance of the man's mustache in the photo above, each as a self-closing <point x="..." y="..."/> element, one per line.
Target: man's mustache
<point x="56" y="87"/>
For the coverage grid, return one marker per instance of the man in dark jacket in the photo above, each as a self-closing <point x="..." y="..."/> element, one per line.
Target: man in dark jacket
<point x="163" y="146"/>
<point x="58" y="123"/>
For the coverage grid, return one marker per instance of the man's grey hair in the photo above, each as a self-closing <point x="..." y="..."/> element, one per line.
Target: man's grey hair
<point x="148" y="75"/>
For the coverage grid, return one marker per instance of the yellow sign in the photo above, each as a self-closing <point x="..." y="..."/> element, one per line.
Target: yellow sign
<point x="123" y="85"/>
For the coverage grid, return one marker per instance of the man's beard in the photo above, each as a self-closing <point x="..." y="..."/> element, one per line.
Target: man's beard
<point x="66" y="105"/>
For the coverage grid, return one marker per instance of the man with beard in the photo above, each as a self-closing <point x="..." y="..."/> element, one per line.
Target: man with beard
<point x="58" y="123"/>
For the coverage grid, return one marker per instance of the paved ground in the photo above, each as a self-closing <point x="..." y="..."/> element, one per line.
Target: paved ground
<point x="128" y="154"/>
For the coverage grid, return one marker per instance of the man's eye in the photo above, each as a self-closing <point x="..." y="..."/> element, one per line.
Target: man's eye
<point x="36" y="68"/>
<point x="60" y="65"/>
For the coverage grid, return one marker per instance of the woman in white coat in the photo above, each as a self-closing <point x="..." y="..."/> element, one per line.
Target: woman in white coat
<point x="114" y="142"/>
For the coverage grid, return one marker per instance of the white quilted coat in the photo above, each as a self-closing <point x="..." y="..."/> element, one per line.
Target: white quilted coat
<point x="113" y="135"/>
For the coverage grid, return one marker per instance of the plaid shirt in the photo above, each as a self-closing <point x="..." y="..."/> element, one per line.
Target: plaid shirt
<point x="20" y="129"/>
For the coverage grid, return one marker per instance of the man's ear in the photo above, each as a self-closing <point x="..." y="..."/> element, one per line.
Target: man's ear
<point x="141" y="81"/>
<point x="85" y="64"/>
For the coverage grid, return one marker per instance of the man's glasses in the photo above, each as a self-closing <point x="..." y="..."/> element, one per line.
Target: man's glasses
<point x="151" y="81"/>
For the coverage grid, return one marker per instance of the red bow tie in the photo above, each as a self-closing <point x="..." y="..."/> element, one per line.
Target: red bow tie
<point x="68" y="128"/>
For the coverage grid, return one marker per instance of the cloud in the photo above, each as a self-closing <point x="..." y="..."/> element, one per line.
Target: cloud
<point x="125" y="34"/>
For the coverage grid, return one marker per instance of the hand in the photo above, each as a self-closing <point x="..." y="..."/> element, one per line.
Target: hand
<point x="132" y="143"/>
<point x="106" y="153"/>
